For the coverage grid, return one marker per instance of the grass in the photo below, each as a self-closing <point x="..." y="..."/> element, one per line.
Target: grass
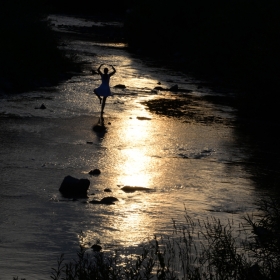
<point x="196" y="250"/>
<point x="205" y="250"/>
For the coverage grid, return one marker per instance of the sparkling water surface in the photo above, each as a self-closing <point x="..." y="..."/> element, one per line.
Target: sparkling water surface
<point x="189" y="165"/>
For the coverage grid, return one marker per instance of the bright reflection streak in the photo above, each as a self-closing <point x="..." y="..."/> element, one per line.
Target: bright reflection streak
<point x="129" y="222"/>
<point x="135" y="166"/>
<point x="135" y="160"/>
<point x="132" y="224"/>
<point x="141" y="82"/>
<point x="136" y="171"/>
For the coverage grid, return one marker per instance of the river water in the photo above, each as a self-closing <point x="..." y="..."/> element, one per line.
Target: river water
<point x="190" y="164"/>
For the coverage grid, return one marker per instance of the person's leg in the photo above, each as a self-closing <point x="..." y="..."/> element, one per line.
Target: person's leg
<point x="103" y="104"/>
<point x="100" y="99"/>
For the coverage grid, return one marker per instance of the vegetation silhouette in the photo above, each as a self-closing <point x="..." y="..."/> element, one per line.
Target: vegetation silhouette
<point x="196" y="250"/>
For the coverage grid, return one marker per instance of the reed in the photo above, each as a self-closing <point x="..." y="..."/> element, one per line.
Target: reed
<point x="196" y="250"/>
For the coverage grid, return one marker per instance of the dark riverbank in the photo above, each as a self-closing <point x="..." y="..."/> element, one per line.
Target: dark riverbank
<point x="234" y="48"/>
<point x="30" y="57"/>
<point x="228" y="43"/>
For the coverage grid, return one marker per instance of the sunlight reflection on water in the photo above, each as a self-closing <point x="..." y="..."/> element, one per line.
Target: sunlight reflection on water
<point x="134" y="166"/>
<point x="185" y="164"/>
<point x="176" y="162"/>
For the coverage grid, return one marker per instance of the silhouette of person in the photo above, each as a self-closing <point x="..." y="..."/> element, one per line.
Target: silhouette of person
<point x="104" y="89"/>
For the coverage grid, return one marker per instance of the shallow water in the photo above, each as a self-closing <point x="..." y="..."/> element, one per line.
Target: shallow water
<point x="191" y="164"/>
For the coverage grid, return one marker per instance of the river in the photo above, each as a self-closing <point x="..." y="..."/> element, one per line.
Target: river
<point x="193" y="164"/>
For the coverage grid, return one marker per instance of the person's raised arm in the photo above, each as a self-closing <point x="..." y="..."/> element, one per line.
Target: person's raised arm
<point x="114" y="71"/>
<point x="98" y="70"/>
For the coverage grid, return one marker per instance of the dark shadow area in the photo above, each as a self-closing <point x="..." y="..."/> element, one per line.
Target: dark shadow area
<point x="31" y="56"/>
<point x="29" y="53"/>
<point x="99" y="128"/>
<point x="89" y="7"/>
<point x="97" y="33"/>
<point x="260" y="143"/>
<point x="234" y="43"/>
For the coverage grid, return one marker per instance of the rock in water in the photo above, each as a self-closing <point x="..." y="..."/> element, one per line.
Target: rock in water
<point x="96" y="248"/>
<point x="73" y="187"/>
<point x="94" y="172"/>
<point x="41" y="107"/>
<point x="174" y="88"/>
<point x="99" y="128"/>
<point x="134" y="189"/>
<point x="120" y="86"/>
<point x="106" y="200"/>
<point x="159" y="88"/>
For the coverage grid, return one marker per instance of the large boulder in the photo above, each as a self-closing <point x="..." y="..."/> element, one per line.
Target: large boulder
<point x="73" y="187"/>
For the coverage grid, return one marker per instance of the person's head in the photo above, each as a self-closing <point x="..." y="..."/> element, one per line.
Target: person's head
<point x="106" y="70"/>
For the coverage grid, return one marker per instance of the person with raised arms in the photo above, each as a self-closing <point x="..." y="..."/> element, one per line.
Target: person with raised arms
<point x="104" y="89"/>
